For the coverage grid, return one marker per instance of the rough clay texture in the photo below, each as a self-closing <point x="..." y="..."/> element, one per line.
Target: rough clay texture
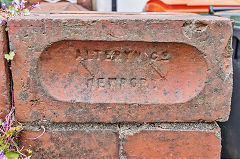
<point x="126" y="141"/>
<point x="152" y="144"/>
<point x="147" y="67"/>
<point x="86" y="76"/>
<point x="80" y="144"/>
<point x="4" y="75"/>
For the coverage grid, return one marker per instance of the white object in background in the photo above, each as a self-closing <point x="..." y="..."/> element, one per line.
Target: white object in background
<point x="72" y="1"/>
<point x="131" y="5"/>
<point x="52" y="1"/>
<point x="102" y="5"/>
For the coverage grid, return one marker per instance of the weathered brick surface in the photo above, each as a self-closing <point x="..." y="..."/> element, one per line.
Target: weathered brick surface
<point x="4" y="75"/>
<point x="89" y="144"/>
<point x="146" y="67"/>
<point x="181" y="143"/>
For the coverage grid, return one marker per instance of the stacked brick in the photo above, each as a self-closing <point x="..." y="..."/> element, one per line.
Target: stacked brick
<point x="122" y="85"/>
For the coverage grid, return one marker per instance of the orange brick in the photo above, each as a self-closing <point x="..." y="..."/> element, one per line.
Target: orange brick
<point x="79" y="144"/>
<point x="118" y="67"/>
<point x="184" y="142"/>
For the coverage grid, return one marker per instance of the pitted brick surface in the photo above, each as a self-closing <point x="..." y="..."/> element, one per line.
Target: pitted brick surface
<point x="173" y="144"/>
<point x="98" y="67"/>
<point x="91" y="144"/>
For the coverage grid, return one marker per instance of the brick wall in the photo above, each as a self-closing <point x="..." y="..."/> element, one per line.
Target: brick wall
<point x="122" y="85"/>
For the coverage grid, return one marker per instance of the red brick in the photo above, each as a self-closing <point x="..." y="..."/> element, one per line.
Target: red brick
<point x="181" y="143"/>
<point x="4" y="75"/>
<point x="92" y="144"/>
<point x="99" y="67"/>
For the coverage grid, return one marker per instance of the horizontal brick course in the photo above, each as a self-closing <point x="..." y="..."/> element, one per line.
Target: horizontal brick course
<point x="181" y="143"/>
<point x="102" y="67"/>
<point x="125" y="141"/>
<point x="78" y="144"/>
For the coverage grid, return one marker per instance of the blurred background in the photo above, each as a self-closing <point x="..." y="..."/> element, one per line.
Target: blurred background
<point x="93" y="5"/>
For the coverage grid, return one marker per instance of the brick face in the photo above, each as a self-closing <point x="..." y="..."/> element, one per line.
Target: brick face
<point x="79" y="144"/>
<point x="4" y="75"/>
<point x="173" y="144"/>
<point x="98" y="67"/>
